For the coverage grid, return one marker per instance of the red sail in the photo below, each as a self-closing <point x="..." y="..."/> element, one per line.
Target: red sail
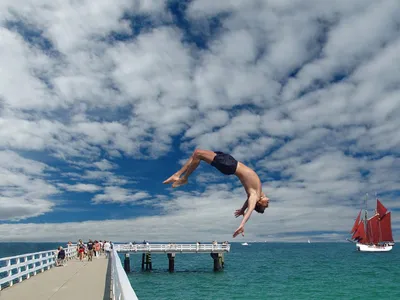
<point x="374" y="230"/>
<point x="386" y="228"/>
<point x="360" y="235"/>
<point x="356" y="223"/>
<point x="380" y="209"/>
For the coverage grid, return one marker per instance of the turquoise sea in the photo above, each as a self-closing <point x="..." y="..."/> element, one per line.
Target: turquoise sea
<point x="262" y="271"/>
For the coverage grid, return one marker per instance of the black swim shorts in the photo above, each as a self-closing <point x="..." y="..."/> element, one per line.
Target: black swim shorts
<point x="225" y="163"/>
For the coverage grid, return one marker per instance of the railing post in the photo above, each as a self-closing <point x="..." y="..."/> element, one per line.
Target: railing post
<point x="27" y="267"/>
<point x="47" y="261"/>
<point x="52" y="259"/>
<point x="19" y="269"/>
<point x="41" y="262"/>
<point x="34" y="264"/>
<point x="9" y="272"/>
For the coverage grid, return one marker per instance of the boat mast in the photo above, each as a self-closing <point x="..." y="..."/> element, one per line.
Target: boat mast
<point x="366" y="207"/>
<point x="366" y="216"/>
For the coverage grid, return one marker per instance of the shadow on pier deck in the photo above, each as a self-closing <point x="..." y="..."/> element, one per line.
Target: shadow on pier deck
<point x="76" y="280"/>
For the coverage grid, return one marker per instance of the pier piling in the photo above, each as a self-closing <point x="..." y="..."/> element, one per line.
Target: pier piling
<point x="218" y="261"/>
<point x="171" y="262"/>
<point x="127" y="263"/>
<point x="148" y="262"/>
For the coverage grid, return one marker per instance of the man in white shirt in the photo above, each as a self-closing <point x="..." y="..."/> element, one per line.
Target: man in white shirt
<point x="107" y="248"/>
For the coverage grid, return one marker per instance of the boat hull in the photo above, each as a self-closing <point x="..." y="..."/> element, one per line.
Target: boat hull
<point x="373" y="248"/>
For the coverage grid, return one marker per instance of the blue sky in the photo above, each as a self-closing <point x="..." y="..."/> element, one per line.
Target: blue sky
<point x="101" y="102"/>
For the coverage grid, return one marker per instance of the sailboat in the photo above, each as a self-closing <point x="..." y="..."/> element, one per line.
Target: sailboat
<point x="373" y="234"/>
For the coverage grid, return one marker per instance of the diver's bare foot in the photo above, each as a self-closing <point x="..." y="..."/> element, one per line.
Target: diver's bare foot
<point x="173" y="178"/>
<point x="180" y="182"/>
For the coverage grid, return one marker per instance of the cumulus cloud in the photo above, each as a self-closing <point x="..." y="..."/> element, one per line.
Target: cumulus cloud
<point x="215" y="207"/>
<point x="306" y="92"/>
<point x="104" y="165"/>
<point x="12" y="161"/>
<point x="80" y="187"/>
<point x="19" y="208"/>
<point x="25" y="190"/>
<point x="115" y="194"/>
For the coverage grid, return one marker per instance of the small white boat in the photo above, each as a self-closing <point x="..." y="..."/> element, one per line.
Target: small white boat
<point x="309" y="241"/>
<point x="245" y="244"/>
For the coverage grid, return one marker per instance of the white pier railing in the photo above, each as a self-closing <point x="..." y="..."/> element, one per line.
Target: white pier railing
<point x="17" y="268"/>
<point x="121" y="288"/>
<point x="173" y="248"/>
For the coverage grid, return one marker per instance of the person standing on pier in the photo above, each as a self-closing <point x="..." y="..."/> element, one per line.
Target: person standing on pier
<point x="107" y="248"/>
<point x="90" y="246"/>
<point x="81" y="250"/>
<point x="226" y="164"/>
<point x="97" y="249"/>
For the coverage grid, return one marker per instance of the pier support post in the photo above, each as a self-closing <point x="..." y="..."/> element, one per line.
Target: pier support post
<point x="127" y="263"/>
<point x="218" y="260"/>
<point x="148" y="262"/>
<point x="171" y="262"/>
<point x="143" y="256"/>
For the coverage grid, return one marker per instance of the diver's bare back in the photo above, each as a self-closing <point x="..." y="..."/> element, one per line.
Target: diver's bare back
<point x="249" y="179"/>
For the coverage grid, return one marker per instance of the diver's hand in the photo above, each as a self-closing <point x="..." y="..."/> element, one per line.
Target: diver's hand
<point x="238" y="231"/>
<point x="239" y="212"/>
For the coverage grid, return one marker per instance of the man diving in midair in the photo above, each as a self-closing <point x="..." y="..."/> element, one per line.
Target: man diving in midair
<point x="226" y="164"/>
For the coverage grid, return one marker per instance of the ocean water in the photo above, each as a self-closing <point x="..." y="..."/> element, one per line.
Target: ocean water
<point x="273" y="271"/>
<point x="12" y="249"/>
<point x="262" y="271"/>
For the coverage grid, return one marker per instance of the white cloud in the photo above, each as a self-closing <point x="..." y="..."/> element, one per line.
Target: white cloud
<point x="80" y="187"/>
<point x="104" y="165"/>
<point x="12" y="161"/>
<point x="252" y="149"/>
<point x="211" y="120"/>
<point x="107" y="177"/>
<point x="238" y="129"/>
<point x="196" y="216"/>
<point x="22" y="62"/>
<point x="24" y="189"/>
<point x="18" y="208"/>
<point x="115" y="194"/>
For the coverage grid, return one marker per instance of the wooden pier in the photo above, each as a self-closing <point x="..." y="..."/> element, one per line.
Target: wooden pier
<point x="216" y="252"/>
<point x="173" y="248"/>
<point x="76" y="280"/>
<point x="34" y="276"/>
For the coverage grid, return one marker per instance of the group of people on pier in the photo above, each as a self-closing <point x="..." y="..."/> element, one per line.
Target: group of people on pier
<point x="92" y="249"/>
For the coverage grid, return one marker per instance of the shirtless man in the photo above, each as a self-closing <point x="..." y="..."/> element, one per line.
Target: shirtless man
<point x="226" y="164"/>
